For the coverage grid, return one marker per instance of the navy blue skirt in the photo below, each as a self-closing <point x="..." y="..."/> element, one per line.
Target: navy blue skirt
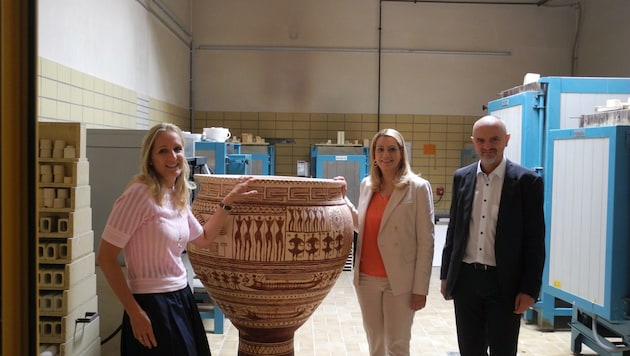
<point x="176" y="324"/>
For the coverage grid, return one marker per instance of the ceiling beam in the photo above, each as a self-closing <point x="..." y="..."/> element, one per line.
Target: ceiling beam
<point x="475" y="2"/>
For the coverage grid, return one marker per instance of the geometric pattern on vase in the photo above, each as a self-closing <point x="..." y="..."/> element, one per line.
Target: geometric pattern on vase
<point x="277" y="257"/>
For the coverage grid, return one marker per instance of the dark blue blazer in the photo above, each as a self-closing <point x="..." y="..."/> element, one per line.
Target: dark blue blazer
<point x="520" y="232"/>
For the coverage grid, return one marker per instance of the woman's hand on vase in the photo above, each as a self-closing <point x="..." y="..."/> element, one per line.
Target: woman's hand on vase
<point x="344" y="189"/>
<point x="240" y="190"/>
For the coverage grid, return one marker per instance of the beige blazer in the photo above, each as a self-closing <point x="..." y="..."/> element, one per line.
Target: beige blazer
<point x="405" y="238"/>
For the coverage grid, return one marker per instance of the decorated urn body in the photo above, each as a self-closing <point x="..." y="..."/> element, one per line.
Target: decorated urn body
<point x="277" y="257"/>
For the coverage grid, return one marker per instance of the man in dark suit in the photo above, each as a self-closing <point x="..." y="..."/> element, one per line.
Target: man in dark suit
<point x="494" y="254"/>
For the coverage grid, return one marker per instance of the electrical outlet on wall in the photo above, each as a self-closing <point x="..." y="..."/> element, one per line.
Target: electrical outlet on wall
<point x="439" y="191"/>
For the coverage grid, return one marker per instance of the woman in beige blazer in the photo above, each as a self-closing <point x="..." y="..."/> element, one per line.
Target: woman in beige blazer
<point x="394" y="251"/>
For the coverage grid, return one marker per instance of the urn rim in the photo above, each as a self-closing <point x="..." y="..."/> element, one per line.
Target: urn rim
<point x="269" y="178"/>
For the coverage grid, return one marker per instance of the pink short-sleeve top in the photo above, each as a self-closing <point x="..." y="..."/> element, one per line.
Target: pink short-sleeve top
<point x="152" y="237"/>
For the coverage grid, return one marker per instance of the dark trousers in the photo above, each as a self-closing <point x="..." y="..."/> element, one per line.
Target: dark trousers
<point x="484" y="317"/>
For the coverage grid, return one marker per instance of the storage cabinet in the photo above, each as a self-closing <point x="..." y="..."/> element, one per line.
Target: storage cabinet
<point x="68" y="317"/>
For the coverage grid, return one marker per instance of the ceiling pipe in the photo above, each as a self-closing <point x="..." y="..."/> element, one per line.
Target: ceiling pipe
<point x="173" y="18"/>
<point x="163" y="14"/>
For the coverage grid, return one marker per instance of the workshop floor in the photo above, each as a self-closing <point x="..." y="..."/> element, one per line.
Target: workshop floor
<point x="335" y="329"/>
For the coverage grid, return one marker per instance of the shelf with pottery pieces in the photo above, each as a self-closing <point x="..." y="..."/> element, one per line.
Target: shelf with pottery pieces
<point x="68" y="304"/>
<point x="63" y="250"/>
<point x="64" y="199"/>
<point x="56" y="223"/>
<point x="60" y="304"/>
<point x="59" y="277"/>
<point x="53" y="329"/>
<point x="63" y="172"/>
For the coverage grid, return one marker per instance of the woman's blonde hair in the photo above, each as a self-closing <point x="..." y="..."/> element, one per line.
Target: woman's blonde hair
<point x="403" y="172"/>
<point x="149" y="176"/>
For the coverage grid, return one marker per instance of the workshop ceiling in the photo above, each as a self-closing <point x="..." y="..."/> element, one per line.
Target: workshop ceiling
<point x="498" y="2"/>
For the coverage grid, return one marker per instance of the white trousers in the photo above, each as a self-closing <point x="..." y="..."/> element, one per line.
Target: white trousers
<point x="387" y="319"/>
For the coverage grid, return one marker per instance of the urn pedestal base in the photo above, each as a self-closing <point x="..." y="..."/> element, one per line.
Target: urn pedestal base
<point x="272" y="342"/>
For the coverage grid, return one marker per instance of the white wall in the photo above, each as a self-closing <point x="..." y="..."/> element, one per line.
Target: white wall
<point x="118" y="41"/>
<point x="336" y="77"/>
<point x="604" y="49"/>
<point x="121" y="42"/>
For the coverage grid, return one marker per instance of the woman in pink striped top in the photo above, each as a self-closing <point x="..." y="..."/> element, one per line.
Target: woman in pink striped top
<point x="151" y="222"/>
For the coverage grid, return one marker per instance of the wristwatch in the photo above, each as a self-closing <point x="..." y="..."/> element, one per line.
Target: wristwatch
<point x="225" y="206"/>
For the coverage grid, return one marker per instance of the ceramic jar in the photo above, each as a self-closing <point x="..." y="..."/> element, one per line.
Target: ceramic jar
<point x="276" y="259"/>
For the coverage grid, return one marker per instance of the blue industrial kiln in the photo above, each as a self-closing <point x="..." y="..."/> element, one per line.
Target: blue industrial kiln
<point x="224" y="157"/>
<point x="350" y="161"/>
<point x="530" y="112"/>
<point x="588" y="188"/>
<point x="263" y="157"/>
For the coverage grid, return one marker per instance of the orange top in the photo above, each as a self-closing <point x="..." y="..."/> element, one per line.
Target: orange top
<point x="371" y="259"/>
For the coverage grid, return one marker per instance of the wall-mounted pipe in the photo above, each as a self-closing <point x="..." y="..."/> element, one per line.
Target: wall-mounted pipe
<point x="191" y="89"/>
<point x="380" y="52"/>
<point x="425" y="51"/>
<point x="576" y="37"/>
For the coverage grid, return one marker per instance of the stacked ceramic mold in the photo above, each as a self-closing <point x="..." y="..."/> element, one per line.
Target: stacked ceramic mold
<point x="68" y="317"/>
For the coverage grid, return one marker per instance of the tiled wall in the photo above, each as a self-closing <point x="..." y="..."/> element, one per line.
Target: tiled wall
<point x="66" y="94"/>
<point x="449" y="134"/>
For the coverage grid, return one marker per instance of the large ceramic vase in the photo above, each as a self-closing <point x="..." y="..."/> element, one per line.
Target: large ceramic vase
<point x="277" y="258"/>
